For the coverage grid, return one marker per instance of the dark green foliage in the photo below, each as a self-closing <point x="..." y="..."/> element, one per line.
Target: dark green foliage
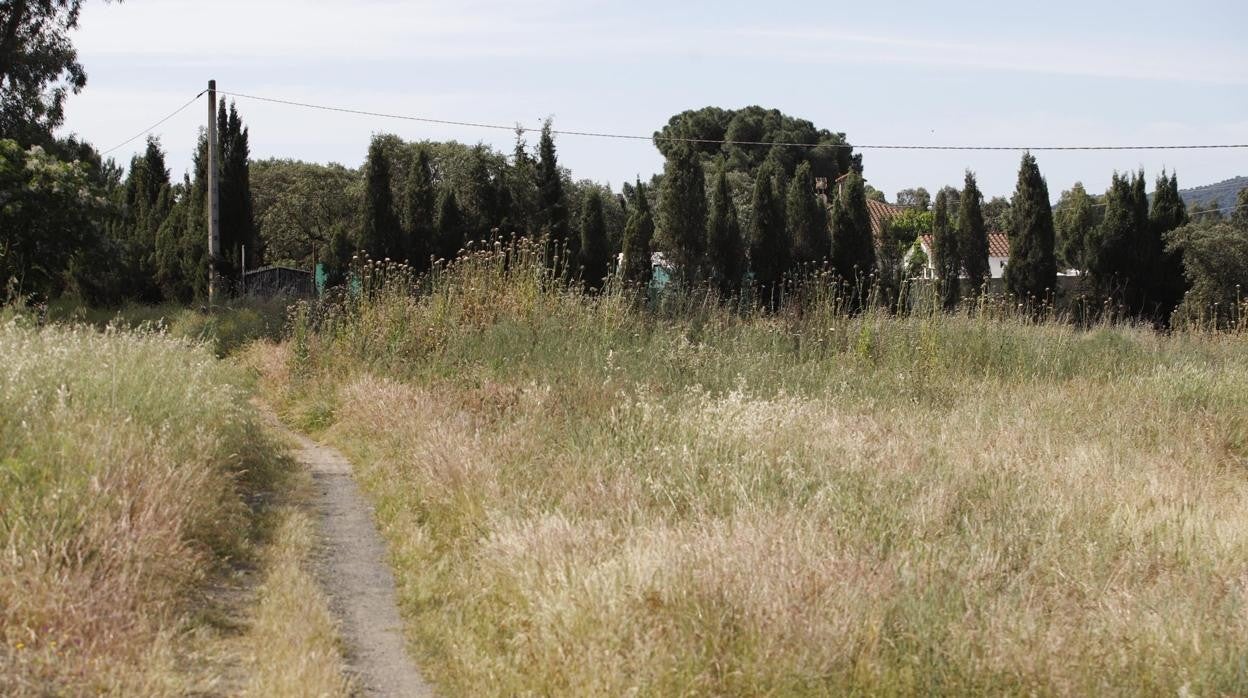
<point x="552" y="208"/>
<point x="997" y="214"/>
<point x="853" y="249"/>
<point x="973" y="236"/>
<point x="891" y="271"/>
<point x="1113" y="252"/>
<point x="682" y="213"/>
<point x="638" y="233"/>
<point x="301" y="206"/>
<point x="1215" y="261"/>
<point x="807" y="221"/>
<point x="380" y="232"/>
<point x="753" y="125"/>
<point x="945" y="255"/>
<point x="1075" y="222"/>
<point x="911" y="223"/>
<point x="418" y="211"/>
<point x="450" y="234"/>
<point x="1032" y="270"/>
<point x="147" y="202"/>
<point x="238" y="222"/>
<point x="769" y="243"/>
<point x="48" y="212"/>
<point x="39" y="67"/>
<point x="725" y="250"/>
<point x="1166" y="281"/>
<point x="595" y="253"/>
<point x="1207" y="212"/>
<point x="916" y="198"/>
<point x="1239" y="214"/>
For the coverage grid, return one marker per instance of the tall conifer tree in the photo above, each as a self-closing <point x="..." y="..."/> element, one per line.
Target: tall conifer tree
<point x="638" y="234"/>
<point x="380" y="235"/>
<point x="973" y="236"/>
<point x="450" y="234"/>
<point x="1075" y="222"/>
<point x="945" y="256"/>
<point x="1032" y="270"/>
<point x="595" y="252"/>
<point x="552" y="207"/>
<point x="418" y="211"/>
<point x="1113" y="252"/>
<point x="682" y="212"/>
<point x="237" y="214"/>
<point x="853" y="246"/>
<point x="769" y="244"/>
<point x="1167" y="280"/>
<point x="806" y="219"/>
<point x="724" y="247"/>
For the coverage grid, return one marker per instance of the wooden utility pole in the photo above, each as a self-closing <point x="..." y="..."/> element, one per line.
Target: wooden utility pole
<point x="214" y="210"/>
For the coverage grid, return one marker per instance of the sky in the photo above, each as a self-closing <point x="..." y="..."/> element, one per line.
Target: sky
<point x="1000" y="73"/>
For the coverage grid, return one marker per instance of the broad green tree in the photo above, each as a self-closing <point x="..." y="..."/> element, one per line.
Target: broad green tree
<point x="973" y="236"/>
<point x="725" y="249"/>
<point x="1239" y="214"/>
<point x="807" y="221"/>
<point x="916" y="197"/>
<point x="682" y="213"/>
<point x="1032" y="269"/>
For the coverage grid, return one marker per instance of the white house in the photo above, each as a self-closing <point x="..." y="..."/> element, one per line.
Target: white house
<point x="998" y="254"/>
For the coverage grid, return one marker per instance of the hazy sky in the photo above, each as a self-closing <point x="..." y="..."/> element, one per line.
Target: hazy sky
<point x="983" y="73"/>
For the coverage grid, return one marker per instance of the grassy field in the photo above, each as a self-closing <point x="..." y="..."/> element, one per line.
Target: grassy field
<point x="582" y="497"/>
<point x="138" y="496"/>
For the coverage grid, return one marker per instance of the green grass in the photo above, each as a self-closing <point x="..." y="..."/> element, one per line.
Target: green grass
<point x="585" y="497"/>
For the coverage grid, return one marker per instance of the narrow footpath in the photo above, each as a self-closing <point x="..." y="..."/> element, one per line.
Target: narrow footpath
<point x="356" y="578"/>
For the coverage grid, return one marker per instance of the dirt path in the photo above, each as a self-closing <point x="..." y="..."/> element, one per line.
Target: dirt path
<point x="356" y="577"/>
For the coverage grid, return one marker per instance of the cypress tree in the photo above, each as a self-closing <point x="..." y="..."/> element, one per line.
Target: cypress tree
<point x="595" y="252"/>
<point x="806" y="219"/>
<point x="769" y="244"/>
<point x="682" y="212"/>
<point x="1075" y="222"/>
<point x="237" y="214"/>
<point x="1168" y="283"/>
<point x="853" y="247"/>
<point x="1113" y="251"/>
<point x="450" y="234"/>
<point x="552" y="208"/>
<point x="1032" y="271"/>
<point x="945" y="257"/>
<point x="638" y="234"/>
<point x="973" y="236"/>
<point x="379" y="236"/>
<point x="724" y="248"/>
<point x="418" y="211"/>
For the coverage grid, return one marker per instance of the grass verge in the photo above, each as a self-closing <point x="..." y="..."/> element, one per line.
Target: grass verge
<point x="134" y="481"/>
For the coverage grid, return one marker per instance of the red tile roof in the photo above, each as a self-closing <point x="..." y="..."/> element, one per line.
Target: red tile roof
<point x="998" y="244"/>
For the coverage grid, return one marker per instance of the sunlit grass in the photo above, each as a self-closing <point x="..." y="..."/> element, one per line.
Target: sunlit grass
<point x="586" y="497"/>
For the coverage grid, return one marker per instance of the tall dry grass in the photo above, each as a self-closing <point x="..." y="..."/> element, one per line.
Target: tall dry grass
<point x="127" y="464"/>
<point x="585" y="496"/>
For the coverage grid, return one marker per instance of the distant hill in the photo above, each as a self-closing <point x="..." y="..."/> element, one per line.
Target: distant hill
<point x="1223" y="192"/>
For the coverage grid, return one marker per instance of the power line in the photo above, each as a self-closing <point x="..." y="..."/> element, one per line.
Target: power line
<point x="712" y="141"/>
<point x="153" y="127"/>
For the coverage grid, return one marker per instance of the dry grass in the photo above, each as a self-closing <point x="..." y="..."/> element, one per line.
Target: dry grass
<point x="134" y="481"/>
<point x="293" y="647"/>
<point x="582" y="498"/>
